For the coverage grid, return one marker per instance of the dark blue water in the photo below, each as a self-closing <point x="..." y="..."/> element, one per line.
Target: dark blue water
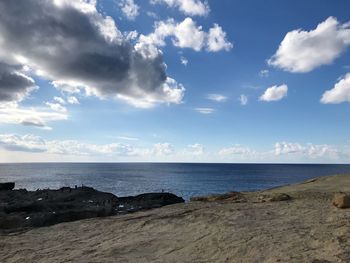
<point x="184" y="179"/>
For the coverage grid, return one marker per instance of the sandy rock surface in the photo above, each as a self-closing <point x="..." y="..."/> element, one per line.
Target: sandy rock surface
<point x="306" y="228"/>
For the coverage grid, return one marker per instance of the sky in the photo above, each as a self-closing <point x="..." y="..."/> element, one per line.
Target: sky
<point x="175" y="81"/>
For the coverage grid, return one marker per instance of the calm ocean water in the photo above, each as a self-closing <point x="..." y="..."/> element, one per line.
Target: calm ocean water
<point x="184" y="179"/>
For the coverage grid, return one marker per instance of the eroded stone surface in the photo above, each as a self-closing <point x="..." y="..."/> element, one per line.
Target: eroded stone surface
<point x="305" y="229"/>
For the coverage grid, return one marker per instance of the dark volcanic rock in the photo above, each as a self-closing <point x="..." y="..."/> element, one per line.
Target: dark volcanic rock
<point x="147" y="201"/>
<point x="22" y="208"/>
<point x="7" y="186"/>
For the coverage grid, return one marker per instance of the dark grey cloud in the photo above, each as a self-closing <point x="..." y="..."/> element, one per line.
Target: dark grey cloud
<point x="72" y="44"/>
<point x="14" y="85"/>
<point x="33" y="123"/>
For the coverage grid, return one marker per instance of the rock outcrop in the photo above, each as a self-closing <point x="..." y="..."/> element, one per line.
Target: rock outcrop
<point x="22" y="208"/>
<point x="7" y="186"/>
<point x="147" y="201"/>
<point x="341" y="200"/>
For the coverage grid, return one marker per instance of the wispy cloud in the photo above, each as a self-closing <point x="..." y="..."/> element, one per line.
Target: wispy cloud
<point x="127" y="138"/>
<point x="205" y="110"/>
<point x="264" y="73"/>
<point x="217" y="97"/>
<point x="243" y="99"/>
<point x="237" y="150"/>
<point x="184" y="61"/>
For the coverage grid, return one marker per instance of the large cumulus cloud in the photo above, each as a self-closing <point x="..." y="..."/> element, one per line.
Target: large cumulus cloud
<point x="73" y="45"/>
<point x="303" y="51"/>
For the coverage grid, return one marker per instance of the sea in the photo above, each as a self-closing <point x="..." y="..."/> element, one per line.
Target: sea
<point x="182" y="179"/>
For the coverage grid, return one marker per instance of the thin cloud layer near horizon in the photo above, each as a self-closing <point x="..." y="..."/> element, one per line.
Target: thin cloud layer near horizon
<point x="175" y="81"/>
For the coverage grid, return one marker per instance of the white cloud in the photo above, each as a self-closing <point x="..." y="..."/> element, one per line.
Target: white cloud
<point x="339" y="93"/>
<point x="184" y="61"/>
<point x="274" y="93"/>
<point x="32" y="143"/>
<point x="217" y="97"/>
<point x="152" y="14"/>
<point x="161" y="149"/>
<point x="147" y="44"/>
<point x="185" y="34"/>
<point x="171" y="89"/>
<point x="70" y="87"/>
<point x="127" y="138"/>
<point x="188" y="35"/>
<point x="131" y="35"/>
<point x="59" y="100"/>
<point x="217" y="40"/>
<point x="237" y="150"/>
<point x="288" y="152"/>
<point x="56" y="107"/>
<point x="243" y="99"/>
<point x="72" y="100"/>
<point x="195" y="149"/>
<point x="264" y="73"/>
<point x="129" y="9"/>
<point x="205" y="110"/>
<point x="318" y="151"/>
<point x="73" y="147"/>
<point x="308" y="150"/>
<point x="26" y="143"/>
<point x="303" y="51"/>
<point x="33" y="116"/>
<point x="251" y="86"/>
<point x="288" y="148"/>
<point x="32" y="147"/>
<point x="188" y="7"/>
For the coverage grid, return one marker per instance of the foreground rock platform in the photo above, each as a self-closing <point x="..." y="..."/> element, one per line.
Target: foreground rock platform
<point x="22" y="209"/>
<point x="305" y="228"/>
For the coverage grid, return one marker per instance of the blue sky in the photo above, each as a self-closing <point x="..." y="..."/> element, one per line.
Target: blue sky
<point x="175" y="80"/>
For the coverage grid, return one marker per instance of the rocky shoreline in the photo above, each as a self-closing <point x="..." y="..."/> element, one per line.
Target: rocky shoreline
<point x="20" y="208"/>
<point x="306" y="222"/>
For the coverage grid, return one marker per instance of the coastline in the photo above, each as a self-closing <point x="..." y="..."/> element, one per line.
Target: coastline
<point x="305" y="228"/>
